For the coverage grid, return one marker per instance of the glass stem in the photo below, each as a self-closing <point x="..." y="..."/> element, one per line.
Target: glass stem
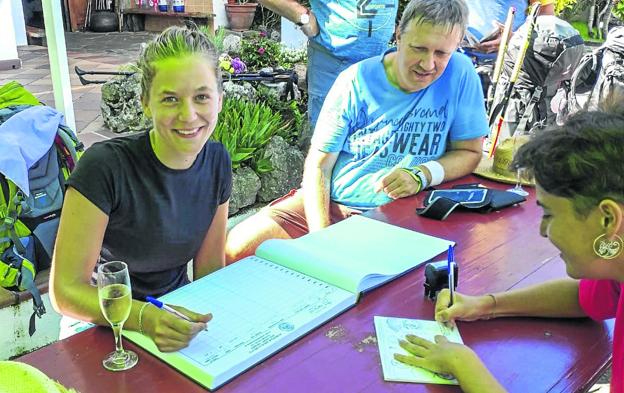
<point x="117" y="332"/>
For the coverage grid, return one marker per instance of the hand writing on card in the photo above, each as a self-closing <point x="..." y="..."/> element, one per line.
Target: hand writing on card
<point x="171" y="333"/>
<point x="441" y="357"/>
<point x="465" y="308"/>
<point x="397" y="184"/>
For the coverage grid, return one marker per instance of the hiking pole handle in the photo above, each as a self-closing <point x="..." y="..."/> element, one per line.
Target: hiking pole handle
<point x="81" y="72"/>
<point x="500" y="60"/>
<point x="502" y="48"/>
<point x="515" y="74"/>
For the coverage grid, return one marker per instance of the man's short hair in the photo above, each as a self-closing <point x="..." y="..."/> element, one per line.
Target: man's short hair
<point x="449" y="13"/>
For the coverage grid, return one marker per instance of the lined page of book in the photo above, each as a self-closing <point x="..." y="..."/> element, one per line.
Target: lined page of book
<point x="391" y="330"/>
<point x="258" y="307"/>
<point x="355" y="254"/>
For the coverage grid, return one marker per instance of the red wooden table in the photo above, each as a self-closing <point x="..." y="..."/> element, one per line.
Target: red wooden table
<point x="495" y="252"/>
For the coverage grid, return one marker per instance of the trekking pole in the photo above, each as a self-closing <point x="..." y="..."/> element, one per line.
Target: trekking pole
<point x="515" y="73"/>
<point x="500" y="57"/>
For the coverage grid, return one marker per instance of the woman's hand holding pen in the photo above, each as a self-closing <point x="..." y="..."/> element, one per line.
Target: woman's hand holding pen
<point x="170" y="332"/>
<point x="465" y="308"/>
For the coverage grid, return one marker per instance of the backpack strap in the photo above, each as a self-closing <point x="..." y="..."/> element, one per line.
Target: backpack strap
<point x="528" y="111"/>
<point x="8" y="223"/>
<point x="69" y="146"/>
<point x="28" y="282"/>
<point x="25" y="280"/>
<point x="591" y="61"/>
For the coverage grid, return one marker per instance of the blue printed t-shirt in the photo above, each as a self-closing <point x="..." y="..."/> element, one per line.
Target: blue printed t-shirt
<point x="354" y="30"/>
<point x="375" y="126"/>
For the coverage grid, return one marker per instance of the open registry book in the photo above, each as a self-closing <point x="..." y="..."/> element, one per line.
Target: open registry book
<point x="262" y="303"/>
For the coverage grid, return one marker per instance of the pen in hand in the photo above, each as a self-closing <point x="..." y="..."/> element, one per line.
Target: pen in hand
<point x="451" y="274"/>
<point x="169" y="309"/>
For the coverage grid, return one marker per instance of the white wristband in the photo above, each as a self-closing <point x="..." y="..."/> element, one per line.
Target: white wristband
<point x="436" y="170"/>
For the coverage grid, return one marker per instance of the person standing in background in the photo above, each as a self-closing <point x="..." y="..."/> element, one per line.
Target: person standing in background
<point x="340" y="33"/>
<point x="487" y="16"/>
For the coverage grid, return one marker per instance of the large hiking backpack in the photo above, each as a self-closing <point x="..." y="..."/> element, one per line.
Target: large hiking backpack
<point x="554" y="51"/>
<point x="29" y="220"/>
<point x="599" y="76"/>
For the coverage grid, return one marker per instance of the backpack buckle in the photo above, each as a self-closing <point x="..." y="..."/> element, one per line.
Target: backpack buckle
<point x="9" y="221"/>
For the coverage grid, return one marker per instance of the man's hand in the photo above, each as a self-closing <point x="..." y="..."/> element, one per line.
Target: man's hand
<point x="311" y="29"/>
<point x="398" y="184"/>
<point x="491" y="43"/>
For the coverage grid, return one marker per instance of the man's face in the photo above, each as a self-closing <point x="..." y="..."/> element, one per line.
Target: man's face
<point x="423" y="53"/>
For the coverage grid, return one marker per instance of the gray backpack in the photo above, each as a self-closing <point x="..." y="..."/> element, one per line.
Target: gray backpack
<point x="599" y="75"/>
<point x="553" y="54"/>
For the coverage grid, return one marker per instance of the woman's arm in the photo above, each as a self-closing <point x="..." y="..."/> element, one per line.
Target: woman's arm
<point x="78" y="244"/>
<point x="211" y="254"/>
<point x="557" y="298"/>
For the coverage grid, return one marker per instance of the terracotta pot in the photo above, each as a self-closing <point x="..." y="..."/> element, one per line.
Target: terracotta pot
<point x="240" y="16"/>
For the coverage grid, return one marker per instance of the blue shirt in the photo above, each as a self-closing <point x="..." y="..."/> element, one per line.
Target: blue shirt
<point x="483" y="15"/>
<point x="354" y="29"/>
<point x="376" y="127"/>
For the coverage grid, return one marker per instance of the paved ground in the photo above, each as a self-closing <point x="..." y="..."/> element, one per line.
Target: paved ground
<point x="89" y="51"/>
<point x="101" y="52"/>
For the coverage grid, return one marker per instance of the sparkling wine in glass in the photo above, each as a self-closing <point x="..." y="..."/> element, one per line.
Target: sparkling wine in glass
<point x="518" y="140"/>
<point x="115" y="298"/>
<point x="518" y="187"/>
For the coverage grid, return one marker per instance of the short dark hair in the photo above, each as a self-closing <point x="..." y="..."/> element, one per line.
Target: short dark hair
<point x="447" y="13"/>
<point x="582" y="160"/>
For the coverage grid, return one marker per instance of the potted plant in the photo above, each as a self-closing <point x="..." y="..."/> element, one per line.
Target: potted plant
<point x="240" y="14"/>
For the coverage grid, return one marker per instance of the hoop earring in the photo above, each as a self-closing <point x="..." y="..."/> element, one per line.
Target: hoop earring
<point x="606" y="248"/>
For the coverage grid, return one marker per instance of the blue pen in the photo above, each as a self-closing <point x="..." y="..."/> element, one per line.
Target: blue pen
<point x="451" y="273"/>
<point x="163" y="306"/>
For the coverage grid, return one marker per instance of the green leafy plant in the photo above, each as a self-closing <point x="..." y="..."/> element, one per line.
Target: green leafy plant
<point x="562" y="5"/>
<point x="245" y="128"/>
<point x="289" y="57"/>
<point x="217" y="36"/>
<point x="260" y="51"/>
<point x="292" y="113"/>
<point x="618" y="10"/>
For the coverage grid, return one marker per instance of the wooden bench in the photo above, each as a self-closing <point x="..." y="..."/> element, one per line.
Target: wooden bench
<point x="12" y="298"/>
<point x="158" y="21"/>
<point x="15" y="311"/>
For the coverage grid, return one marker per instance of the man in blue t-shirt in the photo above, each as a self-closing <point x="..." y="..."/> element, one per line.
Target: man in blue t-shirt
<point x="340" y="33"/>
<point x="391" y="126"/>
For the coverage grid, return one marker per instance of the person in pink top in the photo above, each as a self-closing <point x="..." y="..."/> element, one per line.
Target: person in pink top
<point x="579" y="175"/>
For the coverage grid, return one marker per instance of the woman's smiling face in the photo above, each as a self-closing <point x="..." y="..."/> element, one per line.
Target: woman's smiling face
<point x="573" y="235"/>
<point x="184" y="102"/>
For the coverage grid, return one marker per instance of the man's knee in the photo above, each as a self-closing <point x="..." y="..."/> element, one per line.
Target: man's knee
<point x="245" y="237"/>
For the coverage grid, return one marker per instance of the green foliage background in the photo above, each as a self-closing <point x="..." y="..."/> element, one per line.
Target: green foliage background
<point x="245" y="128"/>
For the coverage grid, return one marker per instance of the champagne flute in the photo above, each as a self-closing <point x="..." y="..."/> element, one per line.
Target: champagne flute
<point x="517" y="189"/>
<point x="115" y="298"/>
